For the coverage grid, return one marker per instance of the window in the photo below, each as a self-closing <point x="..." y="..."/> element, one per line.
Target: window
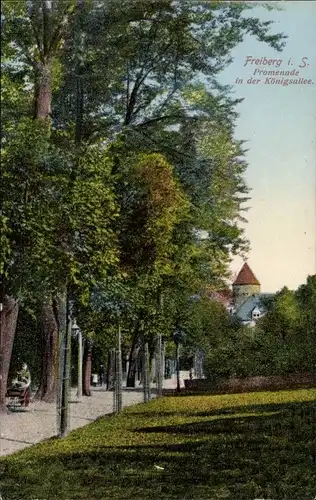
<point x="256" y="313"/>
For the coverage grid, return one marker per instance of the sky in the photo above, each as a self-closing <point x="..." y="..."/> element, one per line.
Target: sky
<point x="279" y="124"/>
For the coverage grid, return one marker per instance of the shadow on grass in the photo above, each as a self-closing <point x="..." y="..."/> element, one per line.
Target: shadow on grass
<point x="303" y="408"/>
<point x="267" y="455"/>
<point x="185" y="392"/>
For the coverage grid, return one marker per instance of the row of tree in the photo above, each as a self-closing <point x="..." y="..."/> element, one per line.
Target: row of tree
<point x="121" y="181"/>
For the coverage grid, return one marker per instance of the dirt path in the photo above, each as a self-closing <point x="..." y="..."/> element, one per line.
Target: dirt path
<point x="24" y="427"/>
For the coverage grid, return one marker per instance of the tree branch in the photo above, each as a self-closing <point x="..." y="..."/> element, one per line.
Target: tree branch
<point x="127" y="87"/>
<point x="34" y="17"/>
<point x="45" y="10"/>
<point x="58" y="33"/>
<point x="157" y="119"/>
<point x="133" y="98"/>
<point x="163" y="147"/>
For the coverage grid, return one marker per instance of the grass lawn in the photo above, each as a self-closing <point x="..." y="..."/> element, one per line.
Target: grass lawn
<point x="239" y="447"/>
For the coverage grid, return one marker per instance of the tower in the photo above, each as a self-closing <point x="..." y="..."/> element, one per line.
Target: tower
<point x="245" y="285"/>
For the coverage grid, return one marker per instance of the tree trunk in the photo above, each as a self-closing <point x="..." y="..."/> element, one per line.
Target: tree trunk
<point x="87" y="364"/>
<point x="43" y="91"/>
<point x="152" y="367"/>
<point x="132" y="368"/>
<point x="49" y="375"/>
<point x="49" y="326"/>
<point x="146" y="373"/>
<point x="8" y="321"/>
<point x="111" y="370"/>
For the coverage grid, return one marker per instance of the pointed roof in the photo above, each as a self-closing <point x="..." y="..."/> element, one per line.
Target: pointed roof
<point x="246" y="276"/>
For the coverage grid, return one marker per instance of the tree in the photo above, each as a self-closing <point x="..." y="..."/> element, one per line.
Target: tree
<point x="161" y="48"/>
<point x="152" y="205"/>
<point x="47" y="188"/>
<point x="211" y="331"/>
<point x="283" y="338"/>
<point x="283" y="318"/>
<point x="33" y="31"/>
<point x="153" y="95"/>
<point x="161" y="51"/>
<point x="306" y="296"/>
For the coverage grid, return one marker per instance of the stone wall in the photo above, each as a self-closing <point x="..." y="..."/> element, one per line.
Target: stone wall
<point x="251" y="384"/>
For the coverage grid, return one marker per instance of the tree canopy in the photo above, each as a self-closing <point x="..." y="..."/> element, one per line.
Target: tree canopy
<point x="119" y="160"/>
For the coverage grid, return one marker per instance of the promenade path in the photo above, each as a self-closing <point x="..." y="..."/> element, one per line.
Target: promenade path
<point x="26" y="426"/>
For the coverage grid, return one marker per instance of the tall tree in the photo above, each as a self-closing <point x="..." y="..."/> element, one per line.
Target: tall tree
<point x="138" y="75"/>
<point x="51" y="219"/>
<point x="37" y="29"/>
<point x="283" y="318"/>
<point x="306" y="296"/>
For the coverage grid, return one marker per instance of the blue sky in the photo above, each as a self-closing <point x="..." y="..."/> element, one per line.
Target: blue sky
<point x="279" y="123"/>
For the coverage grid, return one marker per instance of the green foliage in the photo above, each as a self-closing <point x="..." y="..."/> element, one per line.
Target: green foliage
<point x="152" y="205"/>
<point x="53" y="217"/>
<point x="75" y="211"/>
<point x="154" y="96"/>
<point x="306" y="297"/>
<point x="283" y="317"/>
<point x="258" y="353"/>
<point x="283" y="341"/>
<point x="207" y="322"/>
<point x="4" y="244"/>
<point x="159" y="47"/>
<point x="285" y="336"/>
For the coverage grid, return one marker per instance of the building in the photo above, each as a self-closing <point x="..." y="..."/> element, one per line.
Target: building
<point x="245" y="285"/>
<point x="247" y="302"/>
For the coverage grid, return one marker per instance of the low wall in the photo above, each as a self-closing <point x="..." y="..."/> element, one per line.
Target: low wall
<point x="251" y="384"/>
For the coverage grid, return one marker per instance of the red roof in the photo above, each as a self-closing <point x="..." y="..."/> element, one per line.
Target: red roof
<point x="246" y="276"/>
<point x="222" y="296"/>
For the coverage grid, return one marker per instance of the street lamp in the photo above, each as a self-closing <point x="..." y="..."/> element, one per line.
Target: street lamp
<point x="178" y="338"/>
<point x="1" y="351"/>
<point x="117" y="395"/>
<point x="64" y="367"/>
<point x="159" y="367"/>
<point x="77" y="333"/>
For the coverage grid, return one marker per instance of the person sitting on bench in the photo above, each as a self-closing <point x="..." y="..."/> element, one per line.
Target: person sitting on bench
<point x="23" y="378"/>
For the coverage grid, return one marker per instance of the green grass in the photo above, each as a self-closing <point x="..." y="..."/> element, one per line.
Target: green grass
<point x="239" y="447"/>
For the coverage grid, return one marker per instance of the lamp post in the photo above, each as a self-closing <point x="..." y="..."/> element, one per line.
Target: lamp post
<point x="178" y="338"/>
<point x="198" y="355"/>
<point x="160" y="346"/>
<point x="159" y="369"/>
<point x="65" y="359"/>
<point x="118" y="372"/>
<point x="1" y="350"/>
<point x="77" y="333"/>
<point x="146" y="382"/>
